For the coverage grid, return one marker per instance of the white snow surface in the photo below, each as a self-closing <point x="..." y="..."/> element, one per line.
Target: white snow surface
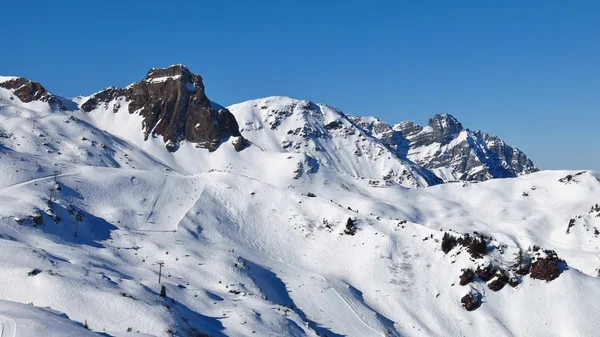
<point x="163" y="79"/>
<point x="247" y="253"/>
<point x="21" y="320"/>
<point x="7" y="78"/>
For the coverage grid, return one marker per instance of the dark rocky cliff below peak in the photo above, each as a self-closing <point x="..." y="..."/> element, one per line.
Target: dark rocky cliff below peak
<point x="174" y="106"/>
<point x="28" y="91"/>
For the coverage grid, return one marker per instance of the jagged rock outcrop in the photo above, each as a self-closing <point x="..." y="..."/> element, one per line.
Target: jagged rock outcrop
<point x="450" y="150"/>
<point x="498" y="282"/>
<point x="104" y="96"/>
<point x="471" y="301"/>
<point x="466" y="277"/>
<point x="547" y="268"/>
<point x="28" y="91"/>
<point x="174" y="106"/>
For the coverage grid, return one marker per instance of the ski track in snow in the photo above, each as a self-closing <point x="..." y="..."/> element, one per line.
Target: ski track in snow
<point x="31" y="181"/>
<point x="341" y="298"/>
<point x="342" y="301"/>
<point x="8" y="327"/>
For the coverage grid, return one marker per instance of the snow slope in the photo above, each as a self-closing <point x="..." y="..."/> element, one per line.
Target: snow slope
<point x="257" y="243"/>
<point x="21" y="320"/>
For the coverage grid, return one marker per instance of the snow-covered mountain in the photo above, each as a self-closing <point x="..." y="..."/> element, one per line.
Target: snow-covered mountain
<point x="326" y="137"/>
<point x="317" y="225"/>
<point x="449" y="150"/>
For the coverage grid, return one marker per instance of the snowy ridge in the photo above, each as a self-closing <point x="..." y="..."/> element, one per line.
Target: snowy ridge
<point x="7" y="78"/>
<point x="28" y="320"/>
<point x="326" y="137"/>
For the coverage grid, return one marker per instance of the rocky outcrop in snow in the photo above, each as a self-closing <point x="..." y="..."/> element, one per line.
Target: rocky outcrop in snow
<point x="450" y="150"/>
<point x="173" y="105"/>
<point x="28" y="91"/>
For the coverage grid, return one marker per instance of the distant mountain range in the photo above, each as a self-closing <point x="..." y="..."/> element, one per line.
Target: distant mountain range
<point x="449" y="150"/>
<point x="173" y="105"/>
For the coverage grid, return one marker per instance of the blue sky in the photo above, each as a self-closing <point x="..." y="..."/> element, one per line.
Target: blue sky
<point x="528" y="71"/>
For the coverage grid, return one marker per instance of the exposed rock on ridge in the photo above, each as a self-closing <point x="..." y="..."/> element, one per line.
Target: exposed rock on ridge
<point x="28" y="91"/>
<point x="453" y="152"/>
<point x="173" y="105"/>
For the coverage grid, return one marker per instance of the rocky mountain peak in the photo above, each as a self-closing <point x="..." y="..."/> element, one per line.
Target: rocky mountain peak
<point x="173" y="70"/>
<point x="451" y="151"/>
<point x="174" y="106"/>
<point x="28" y="91"/>
<point x="408" y="128"/>
<point x="178" y="73"/>
<point x="444" y="126"/>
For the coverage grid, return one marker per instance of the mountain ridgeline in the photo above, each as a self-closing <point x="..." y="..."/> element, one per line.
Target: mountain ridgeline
<point x="173" y="106"/>
<point x="449" y="150"/>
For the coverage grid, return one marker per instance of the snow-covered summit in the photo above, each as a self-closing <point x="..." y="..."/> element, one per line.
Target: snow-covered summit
<point x="327" y="137"/>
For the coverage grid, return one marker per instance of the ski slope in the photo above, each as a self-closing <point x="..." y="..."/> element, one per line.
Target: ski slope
<point x="256" y="243"/>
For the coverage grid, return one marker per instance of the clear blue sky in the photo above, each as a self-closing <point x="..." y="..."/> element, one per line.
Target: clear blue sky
<point x="528" y="71"/>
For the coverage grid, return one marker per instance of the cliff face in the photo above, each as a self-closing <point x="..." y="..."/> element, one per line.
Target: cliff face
<point x="174" y="106"/>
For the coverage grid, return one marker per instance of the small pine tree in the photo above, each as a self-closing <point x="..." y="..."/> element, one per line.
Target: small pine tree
<point x="519" y="259"/>
<point x="448" y="242"/>
<point x="163" y="291"/>
<point x="477" y="248"/>
<point x="350" y="227"/>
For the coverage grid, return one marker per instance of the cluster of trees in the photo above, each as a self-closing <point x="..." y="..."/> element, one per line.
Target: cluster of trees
<point x="476" y="246"/>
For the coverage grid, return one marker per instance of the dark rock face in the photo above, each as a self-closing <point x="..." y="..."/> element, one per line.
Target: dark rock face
<point x="513" y="281"/>
<point x="28" y="91"/>
<point x="171" y="101"/>
<point x="103" y="96"/>
<point x="173" y="105"/>
<point x="467" y="277"/>
<point x="486" y="273"/>
<point x="444" y="127"/>
<point x="470" y="302"/>
<point x="547" y="268"/>
<point x="498" y="283"/>
<point x="570" y="178"/>
<point x="240" y="143"/>
<point x="445" y="143"/>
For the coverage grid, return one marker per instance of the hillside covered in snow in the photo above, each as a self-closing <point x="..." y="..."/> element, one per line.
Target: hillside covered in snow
<point x="152" y="211"/>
